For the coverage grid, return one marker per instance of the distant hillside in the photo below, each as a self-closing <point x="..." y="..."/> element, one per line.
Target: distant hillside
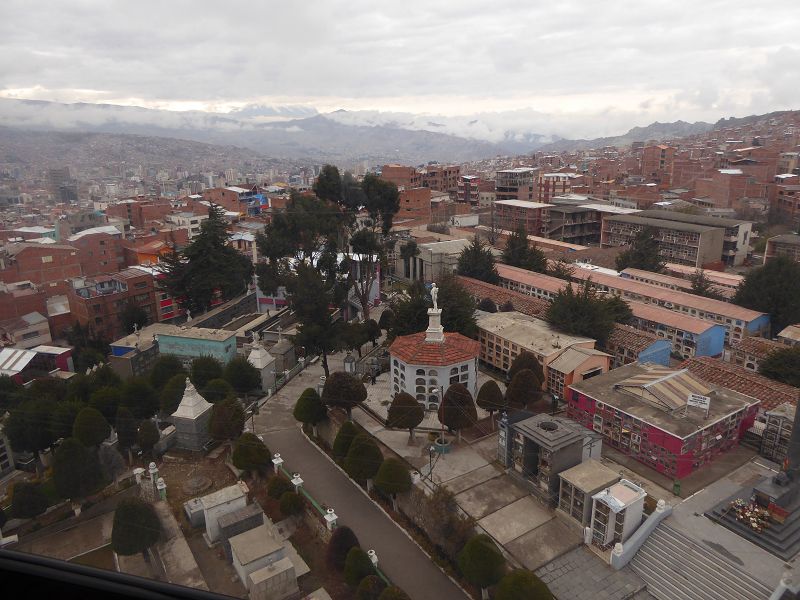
<point x="654" y="131"/>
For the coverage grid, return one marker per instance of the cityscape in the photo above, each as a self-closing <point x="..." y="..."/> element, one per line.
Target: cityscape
<point x="382" y="340"/>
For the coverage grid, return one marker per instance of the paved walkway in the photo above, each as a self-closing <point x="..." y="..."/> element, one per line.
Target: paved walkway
<point x="400" y="558"/>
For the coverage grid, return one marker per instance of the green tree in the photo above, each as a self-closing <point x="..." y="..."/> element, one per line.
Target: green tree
<point x="328" y="185"/>
<point x="618" y="309"/>
<point x="127" y="430"/>
<point x="147" y="436"/>
<point x="10" y="393"/>
<point x="106" y="400"/>
<point x="136" y="527"/>
<point x="165" y="368"/>
<point x="581" y="313"/>
<point x="363" y="458"/>
<point x="507" y="306"/>
<point x="357" y="566"/>
<point x="76" y="471"/>
<point x="64" y="416"/>
<point x="137" y="395"/>
<point x="208" y="267"/>
<point x="227" y="420"/>
<point x="410" y="311"/>
<point x="373" y="331"/>
<point x="342" y="540"/>
<point x="278" y="486"/>
<point x="518" y="253"/>
<point x="47" y="388"/>
<point x="487" y="305"/>
<point x="773" y="289"/>
<point x="525" y="389"/>
<point x="782" y="365"/>
<point x="218" y="390"/>
<point x="702" y="286"/>
<point x="562" y="269"/>
<point x="477" y="261"/>
<point x="386" y="319"/>
<point x="382" y="200"/>
<point x="405" y="413"/>
<point x="481" y="562"/>
<point x="521" y="584"/>
<point x="132" y="315"/>
<point x="370" y="588"/>
<point x="343" y="390"/>
<point x="90" y="427"/>
<point x="643" y="253"/>
<point x="251" y="455"/>
<point x="29" y="426"/>
<point x="393" y="478"/>
<point x="309" y="409"/>
<point x="28" y="500"/>
<point x="172" y="394"/>
<point x="242" y="375"/>
<point x="203" y="370"/>
<point x="291" y="504"/>
<point x="344" y="438"/>
<point x="393" y="593"/>
<point x="367" y="246"/>
<point x="457" y="410"/>
<point x="491" y="399"/>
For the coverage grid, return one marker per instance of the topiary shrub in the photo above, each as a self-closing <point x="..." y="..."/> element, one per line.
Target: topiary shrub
<point x="278" y="486"/>
<point x="357" y="566"/>
<point x="291" y="504"/>
<point x="521" y="584"/>
<point x="370" y="588"/>
<point x="345" y="437"/>
<point x="342" y="540"/>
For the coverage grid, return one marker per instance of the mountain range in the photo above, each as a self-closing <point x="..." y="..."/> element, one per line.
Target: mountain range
<point x="341" y="137"/>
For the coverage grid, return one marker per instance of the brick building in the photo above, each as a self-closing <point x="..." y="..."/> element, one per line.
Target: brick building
<point x="643" y="411"/>
<point x="100" y="250"/>
<point x="20" y="298"/>
<point x="555" y="184"/>
<point x="783" y="245"/>
<point x="415" y="203"/>
<point x="442" y="178"/>
<point x="99" y="302"/>
<point x="751" y="351"/>
<point x="401" y="176"/>
<point x="47" y="265"/>
<point x="511" y="214"/>
<point x="515" y="184"/>
<point x="138" y="211"/>
<point x="656" y="164"/>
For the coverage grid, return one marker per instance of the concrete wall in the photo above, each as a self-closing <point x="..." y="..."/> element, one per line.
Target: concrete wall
<point x="632" y="545"/>
<point x="222" y="315"/>
<point x="190" y="348"/>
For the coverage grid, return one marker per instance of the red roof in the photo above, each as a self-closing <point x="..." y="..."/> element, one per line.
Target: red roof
<point x="735" y="377"/>
<point x="413" y="349"/>
<point x="529" y="305"/>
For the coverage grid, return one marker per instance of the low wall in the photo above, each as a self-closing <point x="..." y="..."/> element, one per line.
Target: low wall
<point x="224" y="314"/>
<point x="632" y="545"/>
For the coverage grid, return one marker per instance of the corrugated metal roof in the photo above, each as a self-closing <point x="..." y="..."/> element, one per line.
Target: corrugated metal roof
<point x="664" y="387"/>
<point x="13" y="360"/>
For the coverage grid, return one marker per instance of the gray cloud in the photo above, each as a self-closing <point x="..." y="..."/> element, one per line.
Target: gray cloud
<point x="556" y="67"/>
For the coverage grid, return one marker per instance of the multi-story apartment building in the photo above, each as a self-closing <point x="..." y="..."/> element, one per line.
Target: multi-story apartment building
<point x="515" y="184"/>
<point x="47" y="265"/>
<point x="787" y="245"/>
<point x="100" y="250"/>
<point x="469" y="189"/>
<point x="187" y="220"/>
<point x="656" y="164"/>
<point x="512" y="214"/>
<point x="99" y="302"/>
<point x="441" y="178"/>
<point x="138" y="211"/>
<point x="245" y="201"/>
<point x="684" y="243"/>
<point x="787" y="199"/>
<point x="645" y="411"/>
<point x="555" y="184"/>
<point x="573" y="224"/>
<point x="402" y="176"/>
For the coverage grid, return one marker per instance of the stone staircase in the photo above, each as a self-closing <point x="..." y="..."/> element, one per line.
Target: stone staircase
<point x="674" y="567"/>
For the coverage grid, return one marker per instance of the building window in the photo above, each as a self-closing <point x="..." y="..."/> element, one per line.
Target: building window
<point x="464" y="368"/>
<point x="47" y="259"/>
<point x="433" y="373"/>
<point x="454" y="371"/>
<point x="420" y="381"/>
<point x="420" y="371"/>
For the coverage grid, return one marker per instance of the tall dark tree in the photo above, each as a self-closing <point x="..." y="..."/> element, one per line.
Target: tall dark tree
<point x="481" y="562"/>
<point x="227" y="420"/>
<point x="136" y="527"/>
<point x="64" y="416"/>
<point x="28" y="500"/>
<point x="217" y="390"/>
<point x="525" y="360"/>
<point x="165" y="367"/>
<point x="357" y="566"/>
<point x="343" y="390"/>
<point x="393" y="478"/>
<point x="477" y="261"/>
<point x="106" y="400"/>
<point x="132" y="315"/>
<point x="344" y="438"/>
<point x="342" y="540"/>
<point x="126" y="429"/>
<point x="582" y="313"/>
<point x="518" y="252"/>
<point x="773" y="289"/>
<point x="172" y="394"/>
<point x="203" y="370"/>
<point x="491" y="399"/>
<point x="147" y="436"/>
<point x="618" y="309"/>
<point x="242" y="375"/>
<point x="363" y="458"/>
<point x="250" y="454"/>
<point x="309" y="409"/>
<point x="487" y="305"/>
<point x="10" y="393"/>
<point x="386" y="319"/>
<point x="562" y="269"/>
<point x="139" y="397"/>
<point x="370" y="588"/>
<point x="457" y="410"/>
<point x="29" y="426"/>
<point x="643" y="253"/>
<point x="207" y="267"/>
<point x="405" y="413"/>
<point x="328" y="185"/>
<point x="522" y="584"/>
<point x="525" y="389"/>
<point x="782" y="365"/>
<point x="382" y="200"/>
<point x="90" y="427"/>
<point x="702" y="285"/>
<point x="362" y="266"/>
<point x="75" y="469"/>
<point x="410" y="311"/>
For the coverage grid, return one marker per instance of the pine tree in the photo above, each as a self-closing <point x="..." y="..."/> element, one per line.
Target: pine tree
<point x="477" y="261"/>
<point x="344" y="438"/>
<point x="491" y="399"/>
<point x="481" y="562"/>
<point x="342" y="540"/>
<point x="457" y="410"/>
<point x="343" y="390"/>
<point x="393" y="478"/>
<point x="136" y="527"/>
<point x="643" y="253"/>
<point x="363" y="458"/>
<point x="309" y="409"/>
<point x="405" y="413"/>
<point x="525" y="389"/>
<point x="251" y="455"/>
<point x="90" y="427"/>
<point x="522" y="584"/>
<point x="357" y="566"/>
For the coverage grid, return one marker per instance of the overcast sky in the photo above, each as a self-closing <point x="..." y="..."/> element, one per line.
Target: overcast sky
<point x="601" y="64"/>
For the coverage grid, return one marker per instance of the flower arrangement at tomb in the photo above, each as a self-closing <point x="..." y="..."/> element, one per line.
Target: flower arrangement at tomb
<point x="751" y="514"/>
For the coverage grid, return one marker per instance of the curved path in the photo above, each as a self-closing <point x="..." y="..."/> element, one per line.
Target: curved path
<point x="400" y="558"/>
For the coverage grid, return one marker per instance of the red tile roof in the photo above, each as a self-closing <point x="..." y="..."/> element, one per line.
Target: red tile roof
<point x="413" y="349"/>
<point x="523" y="303"/>
<point x="758" y="347"/>
<point x="626" y="336"/>
<point x="736" y="377"/>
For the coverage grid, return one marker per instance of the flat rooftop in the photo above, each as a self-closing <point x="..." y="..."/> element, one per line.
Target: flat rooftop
<point x="254" y="544"/>
<point x="590" y="475"/>
<point x="664" y="223"/>
<point x="553" y="432"/>
<point x="523" y="204"/>
<point x="687" y="218"/>
<point x="529" y="332"/>
<point x="615" y="389"/>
